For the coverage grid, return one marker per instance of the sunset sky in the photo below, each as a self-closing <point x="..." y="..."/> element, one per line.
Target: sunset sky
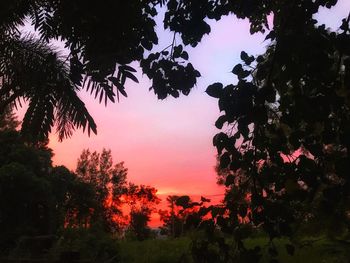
<point x="168" y="144"/>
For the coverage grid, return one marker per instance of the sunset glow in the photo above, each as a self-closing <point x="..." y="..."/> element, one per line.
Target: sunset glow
<point x="168" y="144"/>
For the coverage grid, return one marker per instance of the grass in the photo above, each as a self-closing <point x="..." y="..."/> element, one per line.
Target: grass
<point x="177" y="250"/>
<point x="155" y="251"/>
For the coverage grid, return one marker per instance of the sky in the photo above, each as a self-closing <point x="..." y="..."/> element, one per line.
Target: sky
<point x="168" y="144"/>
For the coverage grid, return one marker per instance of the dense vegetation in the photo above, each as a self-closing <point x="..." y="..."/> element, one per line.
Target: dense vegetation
<point x="284" y="158"/>
<point x="60" y="210"/>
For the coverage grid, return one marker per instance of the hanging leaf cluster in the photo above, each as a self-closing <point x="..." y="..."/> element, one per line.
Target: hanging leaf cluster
<point x="285" y="149"/>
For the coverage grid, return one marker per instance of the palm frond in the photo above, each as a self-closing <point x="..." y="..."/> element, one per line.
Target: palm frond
<point x="13" y="14"/>
<point x="33" y="70"/>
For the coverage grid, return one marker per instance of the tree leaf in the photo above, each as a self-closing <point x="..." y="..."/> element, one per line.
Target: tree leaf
<point x="130" y="76"/>
<point x="121" y="89"/>
<point x="244" y="56"/>
<point x="114" y="80"/>
<point x="184" y="55"/>
<point x="204" y="200"/>
<point x="220" y="121"/>
<point x="126" y="68"/>
<point x="225" y="160"/>
<point x="237" y="69"/>
<point x="215" y="90"/>
<point x="183" y="201"/>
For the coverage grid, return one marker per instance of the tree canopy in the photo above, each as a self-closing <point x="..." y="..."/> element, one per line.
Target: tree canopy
<point x="43" y="203"/>
<point x="285" y="144"/>
<point x="103" y="39"/>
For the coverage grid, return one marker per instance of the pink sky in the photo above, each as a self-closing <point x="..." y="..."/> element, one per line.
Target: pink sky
<point x="168" y="144"/>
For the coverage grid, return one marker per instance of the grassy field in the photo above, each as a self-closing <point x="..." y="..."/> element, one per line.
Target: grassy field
<point x="178" y="250"/>
<point x="155" y="251"/>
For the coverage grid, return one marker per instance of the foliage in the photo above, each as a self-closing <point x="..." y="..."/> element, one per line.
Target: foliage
<point x="141" y="200"/>
<point x="184" y="215"/>
<point x="100" y="54"/>
<point x="21" y="215"/>
<point x="21" y="175"/>
<point x="178" y="250"/>
<point x="33" y="70"/>
<point x="113" y="194"/>
<point x="88" y="243"/>
<point x="172" y="222"/>
<point x="36" y="199"/>
<point x="109" y="184"/>
<point x="98" y="60"/>
<point x="286" y="153"/>
<point x="138" y="224"/>
<point x="77" y="212"/>
<point x="24" y="189"/>
<point x="74" y="199"/>
<point x="8" y="120"/>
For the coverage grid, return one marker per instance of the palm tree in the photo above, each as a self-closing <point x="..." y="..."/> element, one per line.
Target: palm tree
<point x="33" y="70"/>
<point x="103" y="40"/>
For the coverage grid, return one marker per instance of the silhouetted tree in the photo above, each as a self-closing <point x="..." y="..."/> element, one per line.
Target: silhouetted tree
<point x="25" y="192"/>
<point x="184" y="215"/>
<point x="25" y="203"/>
<point x="34" y="71"/>
<point x="74" y="199"/>
<point x="141" y="200"/>
<point x="35" y="197"/>
<point x="109" y="184"/>
<point x="98" y="59"/>
<point x="286" y="151"/>
<point x="8" y="120"/>
<point x="172" y="222"/>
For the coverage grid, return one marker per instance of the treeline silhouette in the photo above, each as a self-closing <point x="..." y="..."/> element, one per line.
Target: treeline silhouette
<point x="38" y="199"/>
<point x="49" y="209"/>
